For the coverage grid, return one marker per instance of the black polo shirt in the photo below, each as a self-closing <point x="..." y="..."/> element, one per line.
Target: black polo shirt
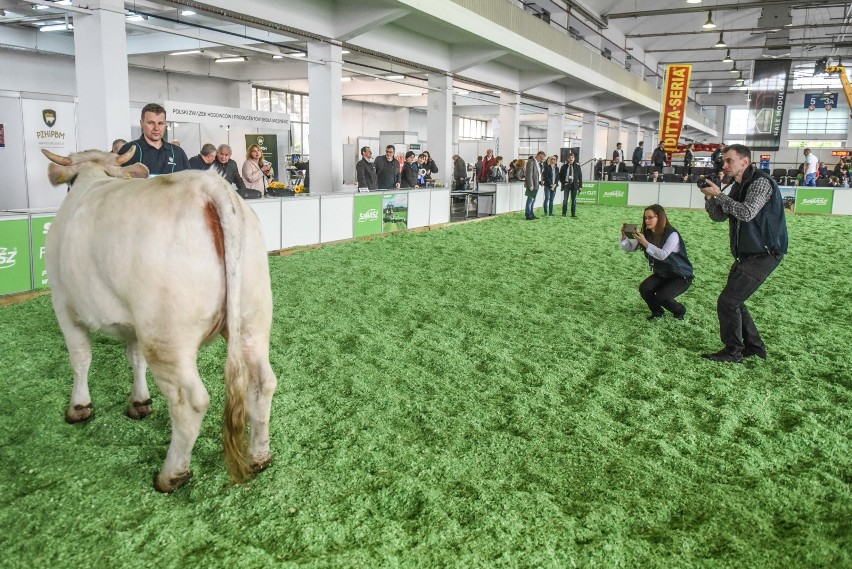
<point x="164" y="160"/>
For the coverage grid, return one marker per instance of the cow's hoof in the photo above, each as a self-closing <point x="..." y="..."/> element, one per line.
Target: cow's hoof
<point x="171" y="484"/>
<point x="78" y="413"/>
<point x="139" y="409"/>
<point x="261" y="465"/>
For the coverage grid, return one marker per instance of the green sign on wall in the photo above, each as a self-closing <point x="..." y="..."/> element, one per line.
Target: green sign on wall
<point x="812" y="200"/>
<point x="15" y="275"/>
<point x="589" y="193"/>
<point x="40" y="227"/>
<point x="613" y="193"/>
<point x="368" y="215"/>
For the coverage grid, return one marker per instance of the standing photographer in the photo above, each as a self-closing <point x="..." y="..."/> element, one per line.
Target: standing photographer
<point x="671" y="270"/>
<point x="758" y="233"/>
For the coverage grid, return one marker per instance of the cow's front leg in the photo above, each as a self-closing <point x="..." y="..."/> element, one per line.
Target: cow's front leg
<point x="80" y="353"/>
<point x="262" y="383"/>
<point x="140" y="398"/>
<point x="188" y="402"/>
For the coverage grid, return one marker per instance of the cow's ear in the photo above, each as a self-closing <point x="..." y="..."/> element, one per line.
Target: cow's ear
<point x="59" y="174"/>
<point x="137" y="170"/>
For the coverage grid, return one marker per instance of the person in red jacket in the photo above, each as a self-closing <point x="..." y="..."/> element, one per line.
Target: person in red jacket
<point x="487" y="163"/>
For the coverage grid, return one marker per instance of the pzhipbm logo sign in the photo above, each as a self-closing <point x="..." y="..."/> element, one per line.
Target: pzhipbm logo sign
<point x="371" y="215"/>
<point x="614" y="194"/>
<point x="7" y="258"/>
<point x="815" y="201"/>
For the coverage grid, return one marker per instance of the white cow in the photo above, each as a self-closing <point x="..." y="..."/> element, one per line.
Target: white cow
<point x="166" y="264"/>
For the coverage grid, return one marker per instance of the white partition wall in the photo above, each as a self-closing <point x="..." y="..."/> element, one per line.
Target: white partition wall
<point x="842" y="202"/>
<point x="300" y="221"/>
<point x="419" y="205"/>
<point x="336" y="217"/>
<point x="643" y="193"/>
<point x="439" y="206"/>
<point x="676" y="195"/>
<point x="269" y="214"/>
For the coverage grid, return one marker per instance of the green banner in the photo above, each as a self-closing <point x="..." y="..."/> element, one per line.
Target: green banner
<point x="269" y="146"/>
<point x="394" y="212"/>
<point x="39" y="232"/>
<point x="15" y="274"/>
<point x="613" y="193"/>
<point x="812" y="200"/>
<point x="368" y="215"/>
<point x="589" y="193"/>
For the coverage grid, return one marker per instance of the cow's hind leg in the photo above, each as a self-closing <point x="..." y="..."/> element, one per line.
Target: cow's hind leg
<point x="80" y="353"/>
<point x="262" y="383"/>
<point x="140" y="398"/>
<point x="179" y="381"/>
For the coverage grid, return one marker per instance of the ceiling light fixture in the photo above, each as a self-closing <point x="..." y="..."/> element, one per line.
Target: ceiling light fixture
<point x="57" y="28"/>
<point x="185" y="52"/>
<point x="410" y="94"/>
<point x="187" y="13"/>
<point x="728" y="58"/>
<point x="345" y="52"/>
<point x="721" y="42"/>
<point x="734" y="68"/>
<point x="394" y="76"/>
<point x="709" y="25"/>
<point x="234" y="59"/>
<point x="346" y="79"/>
<point x="277" y="57"/>
<point x="298" y="54"/>
<point x="740" y="79"/>
<point x="693" y="1"/>
<point x="135" y="17"/>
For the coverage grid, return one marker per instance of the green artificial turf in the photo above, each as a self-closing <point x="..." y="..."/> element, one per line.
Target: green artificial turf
<point x="484" y="395"/>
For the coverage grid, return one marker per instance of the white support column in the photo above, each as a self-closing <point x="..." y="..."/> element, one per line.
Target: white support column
<point x="588" y="142"/>
<point x="632" y="141"/>
<point x="613" y="136"/>
<point x="510" y="121"/>
<point x="100" y="60"/>
<point x="326" y="136"/>
<point x="439" y="125"/>
<point x="555" y="129"/>
<point x="240" y="94"/>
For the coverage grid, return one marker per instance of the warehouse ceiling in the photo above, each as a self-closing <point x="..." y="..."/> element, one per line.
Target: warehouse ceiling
<point x="390" y="48"/>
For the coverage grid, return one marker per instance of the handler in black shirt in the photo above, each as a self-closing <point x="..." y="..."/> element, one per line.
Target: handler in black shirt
<point x="151" y="150"/>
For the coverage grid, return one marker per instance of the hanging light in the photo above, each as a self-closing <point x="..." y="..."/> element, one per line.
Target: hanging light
<point x="728" y="58"/>
<point x="693" y="1"/>
<point x="734" y="68"/>
<point x="721" y="42"/>
<point x="740" y="79"/>
<point x="708" y="25"/>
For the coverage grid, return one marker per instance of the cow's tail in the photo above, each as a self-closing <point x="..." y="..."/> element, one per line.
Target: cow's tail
<point x="232" y="222"/>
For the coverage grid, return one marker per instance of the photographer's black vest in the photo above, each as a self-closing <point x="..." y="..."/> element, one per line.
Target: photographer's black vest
<point x="767" y="232"/>
<point x="676" y="265"/>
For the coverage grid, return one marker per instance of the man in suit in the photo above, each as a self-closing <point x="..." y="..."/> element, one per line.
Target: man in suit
<point x="658" y="158"/>
<point x="618" y="152"/>
<point x="571" y="177"/>
<point x="638" y="155"/>
<point x="365" y="170"/>
<point x="459" y="173"/>
<point x="616" y="166"/>
<point x="204" y="159"/>
<point x="533" y="180"/>
<point x="227" y="168"/>
<point x="387" y="169"/>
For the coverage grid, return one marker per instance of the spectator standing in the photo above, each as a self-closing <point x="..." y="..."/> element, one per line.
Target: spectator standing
<point x="459" y="173"/>
<point x="257" y="172"/>
<point x="408" y="177"/>
<point x="387" y="169"/>
<point x="571" y="177"/>
<point x="840" y="165"/>
<point x="638" y="156"/>
<point x="811" y="164"/>
<point x="616" y="166"/>
<point x="551" y="180"/>
<point x="429" y="164"/>
<point x="716" y="159"/>
<point x="487" y="163"/>
<point x="533" y="180"/>
<point x="477" y="169"/>
<point x="618" y="152"/>
<point x="151" y="150"/>
<point x="227" y="168"/>
<point x="688" y="158"/>
<point x="658" y="158"/>
<point x="822" y="170"/>
<point x="518" y="173"/>
<point x="498" y="172"/>
<point x="671" y="269"/>
<point x="204" y="159"/>
<point x="365" y="170"/>
<point x="757" y="231"/>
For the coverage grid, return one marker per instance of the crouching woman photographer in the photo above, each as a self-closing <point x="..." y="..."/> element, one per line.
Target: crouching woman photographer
<point x="671" y="270"/>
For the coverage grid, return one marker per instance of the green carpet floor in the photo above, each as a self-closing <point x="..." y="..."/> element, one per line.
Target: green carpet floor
<point x="484" y="395"/>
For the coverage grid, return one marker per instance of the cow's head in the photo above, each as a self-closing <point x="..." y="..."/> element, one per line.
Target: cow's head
<point x="64" y="169"/>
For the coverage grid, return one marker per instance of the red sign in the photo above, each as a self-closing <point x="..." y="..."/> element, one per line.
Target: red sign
<point x="673" y="114"/>
<point x="765" y="156"/>
<point x="841" y="152"/>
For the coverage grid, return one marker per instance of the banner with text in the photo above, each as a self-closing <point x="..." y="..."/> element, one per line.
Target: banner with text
<point x="673" y="114"/>
<point x="368" y="215"/>
<point x="40" y="226"/>
<point x="768" y="96"/>
<point x="612" y="193"/>
<point x="225" y="116"/>
<point x="48" y="125"/>
<point x="812" y="200"/>
<point x="15" y="269"/>
<point x="589" y="193"/>
<point x="394" y="212"/>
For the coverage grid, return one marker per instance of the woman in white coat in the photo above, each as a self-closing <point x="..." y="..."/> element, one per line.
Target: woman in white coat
<point x="257" y="172"/>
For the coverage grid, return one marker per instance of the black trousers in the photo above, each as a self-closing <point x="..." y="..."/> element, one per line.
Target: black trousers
<point x="660" y="292"/>
<point x="736" y="327"/>
<point x="569" y="195"/>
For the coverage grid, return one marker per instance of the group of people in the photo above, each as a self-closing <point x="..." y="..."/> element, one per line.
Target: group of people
<point x="812" y="169"/>
<point x="543" y="172"/>
<point x="757" y="230"/>
<point x="163" y="157"/>
<point x="388" y="172"/>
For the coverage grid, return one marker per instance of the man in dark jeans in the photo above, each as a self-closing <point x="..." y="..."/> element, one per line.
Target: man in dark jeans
<point x="758" y="235"/>
<point x="571" y="177"/>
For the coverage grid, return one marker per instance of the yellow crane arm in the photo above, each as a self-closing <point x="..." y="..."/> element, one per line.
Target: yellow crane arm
<point x="847" y="87"/>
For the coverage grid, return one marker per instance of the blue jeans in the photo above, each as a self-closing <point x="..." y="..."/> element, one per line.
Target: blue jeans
<point x="810" y="179"/>
<point x="529" y="207"/>
<point x="549" y="195"/>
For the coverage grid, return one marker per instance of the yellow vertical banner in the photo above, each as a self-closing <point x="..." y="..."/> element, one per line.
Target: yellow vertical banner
<point x="673" y="113"/>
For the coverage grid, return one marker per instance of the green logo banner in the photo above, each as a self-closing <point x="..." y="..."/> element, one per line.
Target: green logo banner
<point x="613" y="193"/>
<point x="368" y="215"/>
<point x="15" y="275"/>
<point x="589" y="193"/>
<point x="394" y="212"/>
<point x="40" y="227"/>
<point x="812" y="200"/>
